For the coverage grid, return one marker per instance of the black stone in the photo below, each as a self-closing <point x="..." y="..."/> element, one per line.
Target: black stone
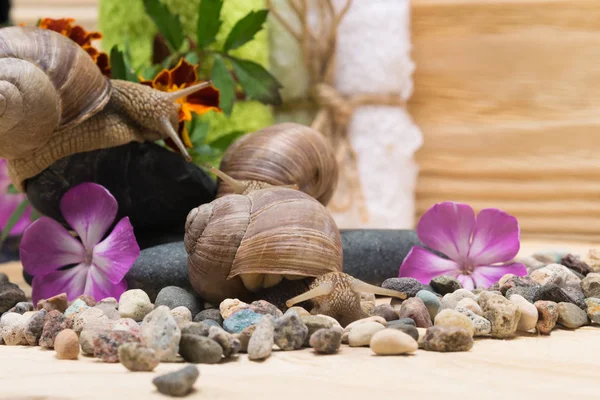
<point x="158" y="267"/>
<point x="178" y="383"/>
<point x="529" y="293"/>
<point x="552" y="292"/>
<point x="403" y="321"/>
<point x="517" y="281"/>
<point x="173" y="296"/>
<point x="445" y="284"/>
<point x="211" y="314"/>
<point x="10" y="295"/>
<point x="575" y="264"/>
<point x="410" y="286"/>
<point x="385" y="311"/>
<point x="408" y="329"/>
<point x="155" y="187"/>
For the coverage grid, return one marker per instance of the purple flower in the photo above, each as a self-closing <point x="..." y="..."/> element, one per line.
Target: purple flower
<point x="100" y="265"/>
<point x="479" y="250"/>
<point x="9" y="203"/>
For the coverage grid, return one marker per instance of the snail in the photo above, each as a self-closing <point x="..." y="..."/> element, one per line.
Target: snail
<point x="240" y="244"/>
<point x="62" y="123"/>
<point x="281" y="154"/>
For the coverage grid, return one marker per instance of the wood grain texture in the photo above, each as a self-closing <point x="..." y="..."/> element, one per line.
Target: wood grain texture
<point x="507" y="95"/>
<point x="85" y="12"/>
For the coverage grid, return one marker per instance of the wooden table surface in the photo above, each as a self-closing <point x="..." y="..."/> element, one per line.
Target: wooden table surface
<point x="565" y="364"/>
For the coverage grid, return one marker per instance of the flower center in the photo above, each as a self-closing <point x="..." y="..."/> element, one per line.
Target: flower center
<point x="88" y="258"/>
<point x="467" y="269"/>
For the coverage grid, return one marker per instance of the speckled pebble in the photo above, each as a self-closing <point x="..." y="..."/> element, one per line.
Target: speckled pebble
<point x="22" y="307"/>
<point x="361" y="334"/>
<point x="178" y="383"/>
<point x="314" y="323"/>
<point x="10" y="318"/>
<point x="410" y="286"/>
<point x="415" y="308"/>
<point x="556" y="274"/>
<point x="503" y="315"/>
<point x="211" y="314"/>
<point x="76" y="307"/>
<point x="552" y="292"/>
<point x="200" y="349"/>
<point x="593" y="309"/>
<point x="451" y="300"/>
<point x="229" y="343"/>
<point x="431" y="301"/>
<point x="241" y="320"/>
<point x="89" y="317"/>
<point x="161" y="333"/>
<point x="129" y="325"/>
<point x="326" y="340"/>
<point x="135" y="304"/>
<point x="571" y="316"/>
<point x="529" y="313"/>
<point x="58" y="302"/>
<point x="137" y="357"/>
<point x="54" y="322"/>
<point x="87" y="299"/>
<point x="392" y="342"/>
<point x="13" y="333"/>
<point x="482" y="326"/>
<point x="106" y="345"/>
<point x="470" y="304"/>
<point x="173" y="296"/>
<point x="290" y="332"/>
<point x="182" y="312"/>
<point x="445" y="284"/>
<point x="333" y="320"/>
<point x="264" y="307"/>
<point x="261" y="342"/>
<point x="547" y="316"/>
<point x="109" y="309"/>
<point x="591" y="285"/>
<point x="228" y="307"/>
<point x="66" y="345"/>
<point x="87" y="337"/>
<point x="385" y="311"/>
<point x="244" y="338"/>
<point x="447" y="339"/>
<point x="196" y="328"/>
<point x="34" y="327"/>
<point x="454" y="318"/>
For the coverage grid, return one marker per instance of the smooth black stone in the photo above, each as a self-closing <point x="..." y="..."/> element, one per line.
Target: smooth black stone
<point x="529" y="293"/>
<point x="155" y="187"/>
<point x="174" y="296"/>
<point x="408" y="329"/>
<point x="159" y="267"/>
<point x="212" y="314"/>
<point x="445" y="284"/>
<point x="10" y="295"/>
<point x="402" y="321"/>
<point x="552" y="292"/>
<point x="410" y="286"/>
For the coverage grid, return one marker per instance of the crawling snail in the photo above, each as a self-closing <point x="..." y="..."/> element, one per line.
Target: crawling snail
<point x="62" y="123"/>
<point x="241" y="244"/>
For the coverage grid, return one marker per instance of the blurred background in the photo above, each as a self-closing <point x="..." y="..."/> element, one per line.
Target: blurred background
<point x="506" y="95"/>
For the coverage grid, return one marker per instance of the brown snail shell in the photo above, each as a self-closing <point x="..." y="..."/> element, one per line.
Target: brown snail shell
<point x="283" y="154"/>
<point x="240" y="244"/>
<point x="47" y="83"/>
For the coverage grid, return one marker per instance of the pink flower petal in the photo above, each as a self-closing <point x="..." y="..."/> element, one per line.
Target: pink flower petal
<point x="47" y="246"/>
<point x="424" y="266"/>
<point x="115" y="255"/>
<point x="100" y="287"/>
<point x="90" y="210"/>
<point x="71" y="281"/>
<point x="447" y="228"/>
<point x="485" y="277"/>
<point x="466" y="281"/>
<point x="495" y="239"/>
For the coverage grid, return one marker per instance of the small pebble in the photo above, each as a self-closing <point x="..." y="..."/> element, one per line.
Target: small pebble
<point x="406" y="321"/>
<point x="415" y="308"/>
<point x="290" y="332"/>
<point x="392" y="342"/>
<point x="182" y="312"/>
<point x="451" y="300"/>
<point x="200" y="349"/>
<point x="529" y="293"/>
<point x="108" y="301"/>
<point x="58" y="302"/>
<point x="261" y="342"/>
<point x="386" y="311"/>
<point x="410" y="286"/>
<point x="374" y="318"/>
<point x="129" y="325"/>
<point x="109" y="309"/>
<point x="422" y="333"/>
<point x="212" y="314"/>
<point x="76" y="307"/>
<point x="240" y="320"/>
<point x="13" y="334"/>
<point x="503" y="315"/>
<point x="54" y="322"/>
<point x="161" y="333"/>
<point x="447" y="339"/>
<point x="66" y="345"/>
<point x="593" y="309"/>
<point x="556" y="274"/>
<point x="529" y="313"/>
<point x="571" y="316"/>
<point x="173" y="296"/>
<point x="34" y="327"/>
<point x="361" y="334"/>
<point x="470" y="304"/>
<point x="106" y="345"/>
<point x="87" y="337"/>
<point x="135" y="304"/>
<point x="552" y="292"/>
<point x="22" y="307"/>
<point x="87" y="299"/>
<point x="10" y="318"/>
<point x="410" y="330"/>
<point x="228" y="307"/>
<point x="431" y="301"/>
<point x="591" y="285"/>
<point x="454" y="318"/>
<point x="10" y="294"/>
<point x="178" y="383"/>
<point x="244" y="338"/>
<point x="301" y="311"/>
<point x="593" y="260"/>
<point x="575" y="264"/>
<point x="482" y="326"/>
<point x="445" y="284"/>
<point x="314" y="323"/>
<point x="137" y="357"/>
<point x="229" y="343"/>
<point x="326" y="340"/>
<point x="89" y="317"/>
<point x="548" y="315"/>
<point x="196" y="328"/>
<point x="264" y="307"/>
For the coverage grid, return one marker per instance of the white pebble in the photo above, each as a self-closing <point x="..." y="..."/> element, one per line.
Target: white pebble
<point x="529" y="313"/>
<point x="453" y="318"/>
<point x="470" y="304"/>
<point x="182" y="312"/>
<point x="375" y="318"/>
<point x="361" y="335"/>
<point x="134" y="304"/>
<point x="392" y="341"/>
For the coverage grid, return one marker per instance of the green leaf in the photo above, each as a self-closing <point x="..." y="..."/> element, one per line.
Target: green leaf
<point x="245" y="29"/>
<point x="209" y="22"/>
<point x="223" y="142"/>
<point x="35" y="214"/>
<point x="222" y="79"/>
<point x="192" y="58"/>
<point x="198" y="131"/>
<point x="12" y="221"/>
<point x="12" y="189"/>
<point x="167" y="23"/>
<point x="119" y="66"/>
<point x="149" y="73"/>
<point x="257" y="82"/>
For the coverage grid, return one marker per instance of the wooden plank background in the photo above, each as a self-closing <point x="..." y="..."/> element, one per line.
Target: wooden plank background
<point x="507" y="94"/>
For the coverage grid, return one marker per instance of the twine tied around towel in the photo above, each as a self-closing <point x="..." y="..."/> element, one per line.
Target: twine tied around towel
<point x="335" y="111"/>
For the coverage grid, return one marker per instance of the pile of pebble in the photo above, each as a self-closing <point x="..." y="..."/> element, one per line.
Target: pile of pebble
<point x="179" y="327"/>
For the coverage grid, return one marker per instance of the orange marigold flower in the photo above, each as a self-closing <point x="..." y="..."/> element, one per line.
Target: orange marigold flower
<point x="181" y="76"/>
<point x="79" y="35"/>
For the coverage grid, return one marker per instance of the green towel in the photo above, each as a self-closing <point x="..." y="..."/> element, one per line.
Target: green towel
<point x="121" y="21"/>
